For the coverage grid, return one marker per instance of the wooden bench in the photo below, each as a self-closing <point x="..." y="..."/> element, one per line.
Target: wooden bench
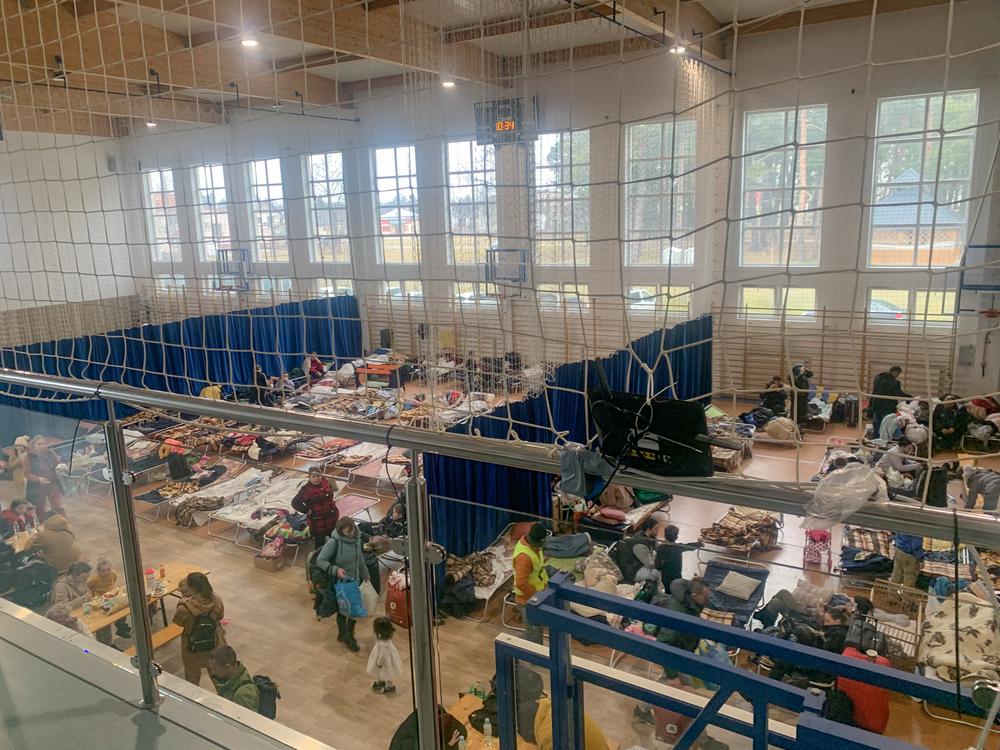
<point x="161" y="637"/>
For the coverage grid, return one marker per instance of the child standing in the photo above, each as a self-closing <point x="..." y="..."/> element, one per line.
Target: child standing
<point x="384" y="663"/>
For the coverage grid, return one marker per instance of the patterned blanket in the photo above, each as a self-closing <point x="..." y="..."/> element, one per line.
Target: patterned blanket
<point x="869" y="540"/>
<point x="744" y="529"/>
<point x="979" y="650"/>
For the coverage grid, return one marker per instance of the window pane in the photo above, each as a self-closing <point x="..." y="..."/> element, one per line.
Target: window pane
<point x="781" y="180"/>
<point x="888" y="304"/>
<point x="800" y="303"/>
<point x="913" y="168"/>
<point x="267" y="209"/>
<point x="399" y="218"/>
<point x="757" y="301"/>
<point x="937" y="307"/>
<point x="472" y="209"/>
<point x="328" y="208"/>
<point x="561" y="198"/>
<point x="212" y="209"/>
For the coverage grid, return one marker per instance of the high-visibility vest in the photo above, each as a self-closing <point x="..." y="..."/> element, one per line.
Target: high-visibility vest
<point x="538" y="578"/>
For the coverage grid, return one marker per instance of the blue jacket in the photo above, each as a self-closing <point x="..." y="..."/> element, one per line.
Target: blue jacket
<point x="912" y="545"/>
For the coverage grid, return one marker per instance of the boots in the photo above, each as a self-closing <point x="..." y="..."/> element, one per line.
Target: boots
<point x="341" y="627"/>
<point x="349" y="637"/>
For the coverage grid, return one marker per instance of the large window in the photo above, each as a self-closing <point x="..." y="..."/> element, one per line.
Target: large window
<point x="475" y="293"/>
<point x="327" y="208"/>
<point x="783" y="165"/>
<point x="398" y="212"/>
<point x="267" y="210"/>
<point x="937" y="307"/>
<point x="168" y="281"/>
<point x="397" y="290"/>
<point x="916" y="166"/>
<point x="472" y="201"/>
<point x="798" y="303"/>
<point x="161" y="216"/>
<point x="212" y="210"/>
<point x="659" y="206"/>
<point x="334" y="287"/>
<point x="567" y="291"/>
<point x="562" y="198"/>
<point x="660" y="298"/>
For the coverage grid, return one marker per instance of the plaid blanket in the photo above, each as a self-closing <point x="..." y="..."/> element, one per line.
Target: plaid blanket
<point x="715" y="615"/>
<point x="946" y="568"/>
<point x="743" y="529"/>
<point x="869" y="540"/>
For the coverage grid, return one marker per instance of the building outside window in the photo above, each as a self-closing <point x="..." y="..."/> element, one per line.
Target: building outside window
<point x="211" y="210"/>
<point x="329" y="233"/>
<point x="267" y="212"/>
<point x="916" y="166"/>
<point x="936" y="307"/>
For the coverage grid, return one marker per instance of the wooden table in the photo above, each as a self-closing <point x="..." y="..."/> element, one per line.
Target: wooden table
<point x="389" y="371"/>
<point x="176" y="572"/>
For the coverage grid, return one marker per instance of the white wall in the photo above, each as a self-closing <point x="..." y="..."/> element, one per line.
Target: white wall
<point x="69" y="221"/>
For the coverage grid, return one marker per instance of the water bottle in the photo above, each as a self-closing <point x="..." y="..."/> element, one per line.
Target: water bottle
<point x="462" y="745"/>
<point x="487" y="733"/>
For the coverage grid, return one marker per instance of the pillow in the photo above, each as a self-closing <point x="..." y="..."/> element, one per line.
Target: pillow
<point x="608" y="513"/>
<point x="738" y="585"/>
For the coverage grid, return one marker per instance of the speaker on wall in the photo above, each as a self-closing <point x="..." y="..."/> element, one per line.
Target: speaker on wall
<point x="385" y="338"/>
<point x="112" y="164"/>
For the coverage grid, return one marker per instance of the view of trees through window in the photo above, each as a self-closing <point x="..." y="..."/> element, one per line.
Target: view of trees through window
<point x="328" y="208"/>
<point x="472" y="201"/>
<point x="161" y="216"/>
<point x="398" y="211"/>
<point x="561" y="198"/>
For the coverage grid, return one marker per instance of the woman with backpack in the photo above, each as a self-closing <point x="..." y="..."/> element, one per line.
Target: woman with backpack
<point x="200" y="614"/>
<point x="342" y="558"/>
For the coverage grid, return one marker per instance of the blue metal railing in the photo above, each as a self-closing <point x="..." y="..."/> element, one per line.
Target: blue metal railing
<point x="550" y="608"/>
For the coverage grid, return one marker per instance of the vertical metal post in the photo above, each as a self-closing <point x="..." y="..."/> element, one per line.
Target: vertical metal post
<point x="131" y="559"/>
<point x="425" y="688"/>
<point x="506" y="699"/>
<point x="567" y="696"/>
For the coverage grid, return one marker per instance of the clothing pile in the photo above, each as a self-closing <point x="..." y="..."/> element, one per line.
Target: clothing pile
<point x="326" y="449"/>
<point x="293" y="529"/>
<point x="184" y="514"/>
<point x="744" y="529"/>
<point x="478" y="565"/>
<point x="168" y="491"/>
<point x="866" y="551"/>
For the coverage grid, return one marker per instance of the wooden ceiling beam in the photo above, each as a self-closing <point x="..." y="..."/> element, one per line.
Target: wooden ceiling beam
<point x="352" y="88"/>
<point x="29" y="120"/>
<point x="518" y="24"/>
<point x="696" y="25"/>
<point x="54" y="98"/>
<point x="833" y="13"/>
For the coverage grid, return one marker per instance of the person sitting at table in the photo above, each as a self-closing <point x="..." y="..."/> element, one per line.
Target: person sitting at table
<point x="103" y="581"/>
<point x="593" y="737"/>
<point x="392" y="524"/>
<point x="315" y="499"/>
<point x="71" y="589"/>
<point x="231" y="679"/>
<point x="20" y="515"/>
<point x="55" y="544"/>
<point x="200" y="615"/>
<point x="43" y="482"/>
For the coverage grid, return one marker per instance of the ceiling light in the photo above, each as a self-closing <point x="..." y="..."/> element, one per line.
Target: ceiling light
<point x="448" y="83"/>
<point x="677" y="49"/>
<point x="150" y="124"/>
<point x="250" y="43"/>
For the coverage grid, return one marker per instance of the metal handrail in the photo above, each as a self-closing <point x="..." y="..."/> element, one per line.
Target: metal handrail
<point x="782" y="497"/>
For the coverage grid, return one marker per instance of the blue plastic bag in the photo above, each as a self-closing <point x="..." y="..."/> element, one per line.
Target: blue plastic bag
<point x="349" y="600"/>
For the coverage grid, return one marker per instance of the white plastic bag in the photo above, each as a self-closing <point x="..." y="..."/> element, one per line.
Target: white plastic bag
<point x="842" y="493"/>
<point x="370" y="597"/>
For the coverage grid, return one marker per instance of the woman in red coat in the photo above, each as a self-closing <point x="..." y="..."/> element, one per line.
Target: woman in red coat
<point x="315" y="499"/>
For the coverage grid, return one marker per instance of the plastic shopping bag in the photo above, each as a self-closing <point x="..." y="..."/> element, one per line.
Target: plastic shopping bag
<point x="369" y="597"/>
<point x="842" y="493"/>
<point x="349" y="600"/>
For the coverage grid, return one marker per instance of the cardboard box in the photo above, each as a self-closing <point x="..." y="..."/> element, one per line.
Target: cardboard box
<point x="270" y="564"/>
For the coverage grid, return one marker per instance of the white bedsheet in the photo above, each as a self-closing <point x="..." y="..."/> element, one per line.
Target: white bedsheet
<point x="503" y="569"/>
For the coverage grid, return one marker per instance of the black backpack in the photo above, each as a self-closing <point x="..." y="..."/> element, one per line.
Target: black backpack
<point x="268" y="695"/>
<point x="839" y="707"/>
<point x="864" y="636"/>
<point x="32" y="584"/>
<point x="202" y="636"/>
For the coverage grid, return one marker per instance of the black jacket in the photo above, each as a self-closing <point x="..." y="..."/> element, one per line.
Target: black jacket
<point x="625" y="557"/>
<point x="886" y="385"/>
<point x="670" y="562"/>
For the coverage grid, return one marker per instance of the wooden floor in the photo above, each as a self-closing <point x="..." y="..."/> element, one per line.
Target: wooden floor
<point x="325" y="690"/>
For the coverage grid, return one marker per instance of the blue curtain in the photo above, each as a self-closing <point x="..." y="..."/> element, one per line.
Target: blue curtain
<point x="462" y="529"/>
<point x="184" y="356"/>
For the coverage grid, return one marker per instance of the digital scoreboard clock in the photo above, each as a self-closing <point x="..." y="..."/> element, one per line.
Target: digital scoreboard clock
<point x="506" y="121"/>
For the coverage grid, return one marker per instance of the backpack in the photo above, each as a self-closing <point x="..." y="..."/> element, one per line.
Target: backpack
<point x="268" y="695"/>
<point x="202" y="638"/>
<point x="839" y="707"/>
<point x="864" y="636"/>
<point x="32" y="583"/>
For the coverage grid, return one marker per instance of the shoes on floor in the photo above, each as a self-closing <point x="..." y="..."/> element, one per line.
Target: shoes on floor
<point x="388" y="690"/>
<point x="643" y="715"/>
<point x="378" y="687"/>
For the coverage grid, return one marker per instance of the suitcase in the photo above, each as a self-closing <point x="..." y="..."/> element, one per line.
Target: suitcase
<point x="851" y="410"/>
<point x="397" y="600"/>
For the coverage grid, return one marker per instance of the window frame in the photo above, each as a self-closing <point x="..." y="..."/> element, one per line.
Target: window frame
<point x="267" y="247"/>
<point x="340" y="244"/>
<point x="323" y="285"/>
<point x="398" y="183"/>
<point x="669" y="162"/>
<point x="911" y="317"/>
<point x="480" y="177"/>
<point x="579" y="298"/>
<point x="174" y="251"/>
<point x="408" y="288"/>
<point x="484" y="293"/>
<point x="570" y="193"/>
<point x="777" y="312"/>
<point x="211" y="209"/>
<point x="658" y="308"/>
<point x="787" y="224"/>
<point x="925" y="138"/>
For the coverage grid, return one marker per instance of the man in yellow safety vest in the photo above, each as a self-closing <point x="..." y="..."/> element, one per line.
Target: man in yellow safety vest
<point x="529" y="574"/>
